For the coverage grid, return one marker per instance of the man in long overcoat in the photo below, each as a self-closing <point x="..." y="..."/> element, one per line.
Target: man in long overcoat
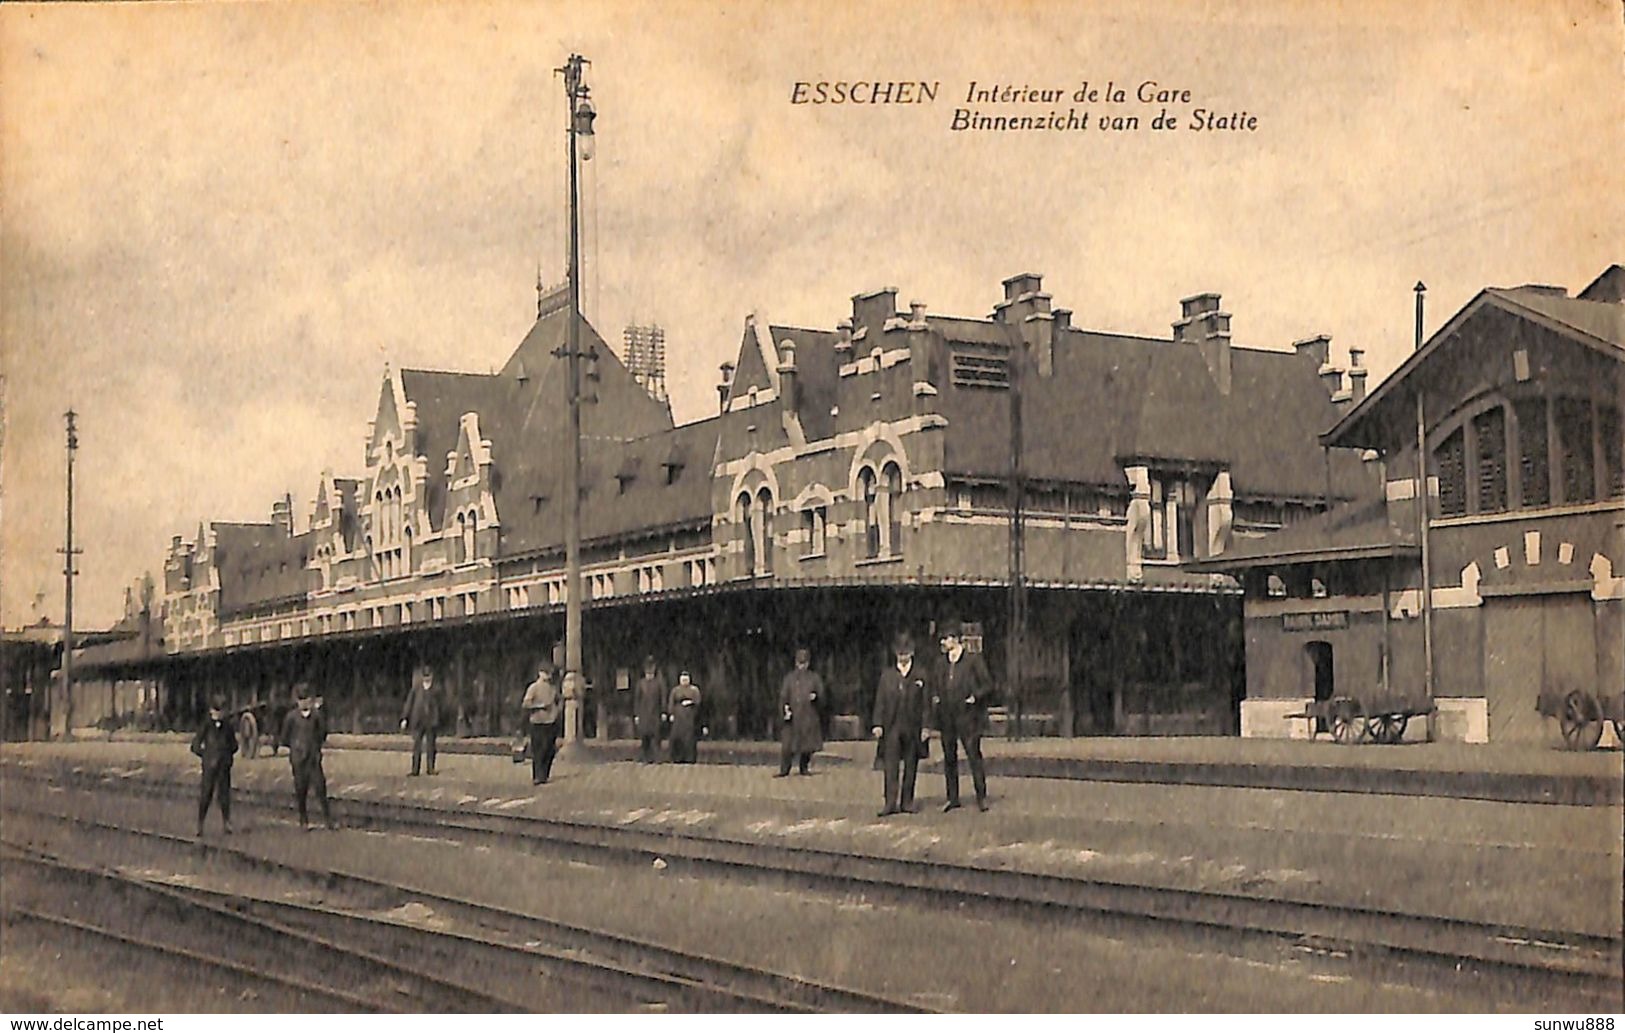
<point x="800" y="734"/>
<point x="215" y="743"/>
<point x="960" y="694"/>
<point x="684" y="707"/>
<point x="648" y="712"/>
<point x="304" y="730"/>
<point x="421" y="717"/>
<point x="899" y="708"/>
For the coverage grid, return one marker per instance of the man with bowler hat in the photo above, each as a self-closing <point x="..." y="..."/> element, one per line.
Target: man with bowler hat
<point x="899" y="707"/>
<point x="960" y="698"/>
<point x="648" y="711"/>
<point x="215" y="744"/>
<point x="421" y="717"/>
<point x="800" y="735"/>
<point x="304" y="730"/>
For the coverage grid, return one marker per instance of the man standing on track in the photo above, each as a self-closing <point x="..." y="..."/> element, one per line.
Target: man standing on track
<point x="215" y="743"/>
<point x="650" y="704"/>
<point x="421" y="717"/>
<point x="899" y="706"/>
<point x="960" y="698"/>
<point x="304" y="730"/>
<point x="800" y="735"/>
<point x="543" y="706"/>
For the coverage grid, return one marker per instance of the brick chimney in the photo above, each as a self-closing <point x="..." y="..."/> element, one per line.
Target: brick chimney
<point x="870" y="312"/>
<point x="725" y="386"/>
<point x="788" y="398"/>
<point x="1357" y="374"/>
<point x="282" y="514"/>
<point x="1202" y="323"/>
<point x="1026" y="307"/>
<point x="1317" y="348"/>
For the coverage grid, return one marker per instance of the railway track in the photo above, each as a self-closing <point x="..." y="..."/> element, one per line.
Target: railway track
<point x="500" y="944"/>
<point x="1551" y="959"/>
<point x="186" y="926"/>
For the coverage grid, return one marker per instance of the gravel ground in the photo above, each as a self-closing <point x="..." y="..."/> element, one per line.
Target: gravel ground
<point x="944" y="957"/>
<point x="1540" y="865"/>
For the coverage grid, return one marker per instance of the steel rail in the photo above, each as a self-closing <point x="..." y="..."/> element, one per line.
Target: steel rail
<point x="1584" y="958"/>
<point x="422" y="991"/>
<point x="707" y="982"/>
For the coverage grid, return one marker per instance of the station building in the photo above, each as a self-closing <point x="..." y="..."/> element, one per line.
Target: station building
<point x="1518" y="398"/>
<point x="854" y="481"/>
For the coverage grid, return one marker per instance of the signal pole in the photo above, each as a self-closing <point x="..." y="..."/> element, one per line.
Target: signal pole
<point x="68" y="553"/>
<point x="581" y="115"/>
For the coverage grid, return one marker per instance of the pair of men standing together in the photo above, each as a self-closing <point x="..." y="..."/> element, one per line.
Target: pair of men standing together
<point x="955" y="695"/>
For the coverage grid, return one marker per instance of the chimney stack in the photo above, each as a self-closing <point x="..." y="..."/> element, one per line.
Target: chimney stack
<point x="282" y="514"/>
<point x="1357" y="374"/>
<point x="725" y="387"/>
<point x="1026" y="307"/>
<point x="787" y="376"/>
<point x="870" y="312"/>
<point x="1202" y="323"/>
<point x="1317" y="348"/>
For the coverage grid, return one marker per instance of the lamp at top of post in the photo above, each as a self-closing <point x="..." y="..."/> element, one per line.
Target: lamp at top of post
<point x="581" y="122"/>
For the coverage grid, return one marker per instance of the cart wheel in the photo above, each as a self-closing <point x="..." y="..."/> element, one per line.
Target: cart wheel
<point x="248" y="735"/>
<point x="1348" y="722"/>
<point x="1388" y="728"/>
<point x="1582" y="729"/>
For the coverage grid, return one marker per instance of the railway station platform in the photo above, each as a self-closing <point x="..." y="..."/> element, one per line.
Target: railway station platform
<point x="1544" y="866"/>
<point x="1511" y="773"/>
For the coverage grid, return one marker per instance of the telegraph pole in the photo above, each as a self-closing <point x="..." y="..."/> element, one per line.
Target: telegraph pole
<point x="1422" y="525"/>
<point x="68" y="553"/>
<point x="1017" y="602"/>
<point x="581" y="115"/>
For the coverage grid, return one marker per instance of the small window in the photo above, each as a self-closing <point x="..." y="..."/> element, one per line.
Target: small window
<point x="1534" y="459"/>
<point x="673" y="472"/>
<point x="813" y="523"/>
<point x="1317" y="588"/>
<point x="1450" y="461"/>
<point x="1613" y="461"/>
<point x="1574" y="440"/>
<point x="980" y="371"/>
<point x="1275" y="586"/>
<point x="1490" y="439"/>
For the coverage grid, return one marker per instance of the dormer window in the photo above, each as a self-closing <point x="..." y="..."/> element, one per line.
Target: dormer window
<point x="674" y="470"/>
<point x="1275" y="587"/>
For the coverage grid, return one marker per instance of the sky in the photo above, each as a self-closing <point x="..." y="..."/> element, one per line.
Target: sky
<point x="219" y="221"/>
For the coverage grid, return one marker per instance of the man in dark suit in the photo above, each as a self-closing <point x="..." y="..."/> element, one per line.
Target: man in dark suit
<point x="649" y="709"/>
<point x="215" y="743"/>
<point x="421" y="717"/>
<point x="899" y="707"/>
<point x="304" y="730"/>
<point x="960" y="698"/>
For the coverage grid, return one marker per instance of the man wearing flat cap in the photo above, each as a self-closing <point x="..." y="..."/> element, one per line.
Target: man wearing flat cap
<point x="899" y="707"/>
<point x="959" y="699"/>
<point x="800" y="735"/>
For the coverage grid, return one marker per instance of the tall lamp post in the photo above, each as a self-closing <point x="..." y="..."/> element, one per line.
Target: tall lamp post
<point x="581" y="115"/>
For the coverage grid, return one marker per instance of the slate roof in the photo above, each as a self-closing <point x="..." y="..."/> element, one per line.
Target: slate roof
<point x="1354" y="530"/>
<point x="259" y="564"/>
<point x="1116" y="397"/>
<point x="441" y="399"/>
<point x="1599" y="325"/>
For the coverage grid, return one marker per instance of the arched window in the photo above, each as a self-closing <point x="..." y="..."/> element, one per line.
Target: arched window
<point x="460" y="545"/>
<point x="470" y="544"/>
<point x="747" y="523"/>
<point x="867" y="489"/>
<point x="764" y="502"/>
<point x="892" y="478"/>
